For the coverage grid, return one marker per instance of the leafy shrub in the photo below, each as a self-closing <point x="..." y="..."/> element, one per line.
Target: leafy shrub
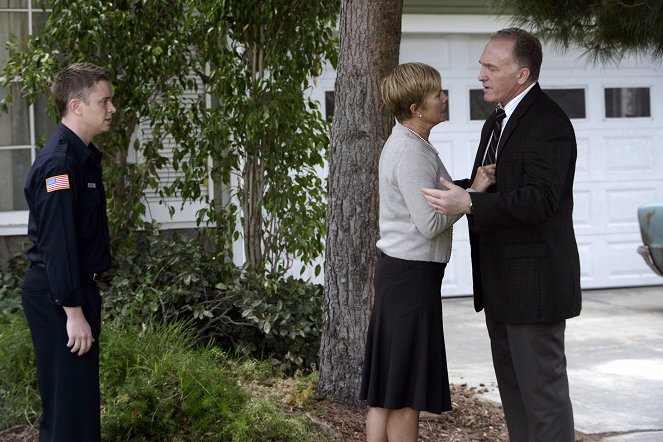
<point x="19" y="397"/>
<point x="175" y="279"/>
<point x="156" y="384"/>
<point x="10" y="283"/>
<point x="285" y="314"/>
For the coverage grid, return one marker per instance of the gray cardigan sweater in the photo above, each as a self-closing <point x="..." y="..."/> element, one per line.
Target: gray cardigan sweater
<point x="409" y="228"/>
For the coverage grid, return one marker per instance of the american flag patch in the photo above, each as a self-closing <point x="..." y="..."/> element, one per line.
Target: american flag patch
<point x="58" y="182"/>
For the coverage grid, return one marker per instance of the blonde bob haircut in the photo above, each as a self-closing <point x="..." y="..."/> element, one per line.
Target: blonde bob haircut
<point x="409" y="83"/>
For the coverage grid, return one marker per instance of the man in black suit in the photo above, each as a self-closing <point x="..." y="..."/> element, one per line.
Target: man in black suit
<point x="525" y="263"/>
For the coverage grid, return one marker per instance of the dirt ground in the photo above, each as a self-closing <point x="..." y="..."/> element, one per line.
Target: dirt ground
<point x="473" y="419"/>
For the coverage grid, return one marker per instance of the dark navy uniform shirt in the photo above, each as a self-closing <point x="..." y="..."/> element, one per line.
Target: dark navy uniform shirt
<point x="68" y="224"/>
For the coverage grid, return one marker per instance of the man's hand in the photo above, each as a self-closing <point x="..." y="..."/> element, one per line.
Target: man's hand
<point x="450" y="200"/>
<point x="78" y="330"/>
<point x="484" y="178"/>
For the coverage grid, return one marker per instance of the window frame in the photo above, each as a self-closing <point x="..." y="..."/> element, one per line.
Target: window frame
<point x="15" y="222"/>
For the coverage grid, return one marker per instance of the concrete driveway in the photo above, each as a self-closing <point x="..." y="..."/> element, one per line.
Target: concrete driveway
<point x="615" y="360"/>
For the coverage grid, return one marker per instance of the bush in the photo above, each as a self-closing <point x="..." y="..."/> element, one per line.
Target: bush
<point x="10" y="283"/>
<point x="155" y="385"/>
<point x="158" y="386"/>
<point x="175" y="279"/>
<point x="284" y="314"/>
<point x="19" y="397"/>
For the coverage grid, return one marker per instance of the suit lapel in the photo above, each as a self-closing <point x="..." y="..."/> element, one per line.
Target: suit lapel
<point x="514" y="120"/>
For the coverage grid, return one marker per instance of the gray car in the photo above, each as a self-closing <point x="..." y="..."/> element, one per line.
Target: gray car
<point x="651" y="228"/>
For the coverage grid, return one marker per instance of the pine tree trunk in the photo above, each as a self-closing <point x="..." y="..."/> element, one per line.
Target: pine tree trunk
<point x="370" y="32"/>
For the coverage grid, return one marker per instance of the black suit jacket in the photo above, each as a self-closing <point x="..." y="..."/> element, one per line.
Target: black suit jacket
<point x="525" y="261"/>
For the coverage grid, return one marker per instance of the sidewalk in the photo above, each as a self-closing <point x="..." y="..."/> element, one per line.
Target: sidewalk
<point x="615" y="360"/>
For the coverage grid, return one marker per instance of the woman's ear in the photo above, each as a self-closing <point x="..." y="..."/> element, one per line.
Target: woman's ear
<point x="414" y="111"/>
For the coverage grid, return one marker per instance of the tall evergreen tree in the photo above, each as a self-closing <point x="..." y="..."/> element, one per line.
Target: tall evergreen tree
<point x="607" y="29"/>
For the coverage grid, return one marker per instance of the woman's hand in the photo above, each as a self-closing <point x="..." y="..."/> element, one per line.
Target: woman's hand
<point x="484" y="178"/>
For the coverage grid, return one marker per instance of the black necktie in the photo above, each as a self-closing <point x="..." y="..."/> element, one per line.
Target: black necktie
<point x="491" y="155"/>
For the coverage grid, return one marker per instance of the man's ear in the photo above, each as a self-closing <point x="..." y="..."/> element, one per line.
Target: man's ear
<point x="523" y="75"/>
<point x="74" y="106"/>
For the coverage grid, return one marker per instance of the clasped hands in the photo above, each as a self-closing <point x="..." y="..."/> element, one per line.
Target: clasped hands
<point x="454" y="200"/>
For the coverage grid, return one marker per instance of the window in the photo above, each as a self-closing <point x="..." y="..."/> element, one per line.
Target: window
<point x="627" y="102"/>
<point x="572" y="101"/>
<point x="24" y="125"/>
<point x="479" y="109"/>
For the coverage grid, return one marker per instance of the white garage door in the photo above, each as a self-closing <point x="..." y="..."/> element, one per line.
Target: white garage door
<point x="617" y="113"/>
<point x="618" y="119"/>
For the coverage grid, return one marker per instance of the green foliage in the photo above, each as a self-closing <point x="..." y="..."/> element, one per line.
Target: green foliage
<point x="605" y="28"/>
<point x="285" y="316"/>
<point x="155" y="385"/>
<point x="19" y="397"/>
<point x="280" y="137"/>
<point x="268" y="316"/>
<point x="158" y="386"/>
<point x="224" y="82"/>
<point x="11" y="279"/>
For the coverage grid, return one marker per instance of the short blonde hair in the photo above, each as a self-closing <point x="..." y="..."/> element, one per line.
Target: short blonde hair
<point x="406" y="84"/>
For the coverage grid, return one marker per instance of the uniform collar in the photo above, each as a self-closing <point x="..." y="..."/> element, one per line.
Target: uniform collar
<point x="82" y="151"/>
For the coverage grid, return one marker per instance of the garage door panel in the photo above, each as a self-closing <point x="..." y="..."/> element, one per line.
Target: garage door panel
<point x="613" y="261"/>
<point x="583" y="160"/>
<point x="622" y="206"/>
<point x="588" y="270"/>
<point x="429" y="49"/>
<point x="582" y="211"/>
<point x="624" y="265"/>
<point x="631" y="157"/>
<point x="456" y="281"/>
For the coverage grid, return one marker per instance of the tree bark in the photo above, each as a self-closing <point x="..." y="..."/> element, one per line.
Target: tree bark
<point x="370" y="32"/>
<point x="254" y="190"/>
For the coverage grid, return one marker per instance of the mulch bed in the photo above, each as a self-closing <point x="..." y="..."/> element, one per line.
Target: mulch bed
<point x="473" y="419"/>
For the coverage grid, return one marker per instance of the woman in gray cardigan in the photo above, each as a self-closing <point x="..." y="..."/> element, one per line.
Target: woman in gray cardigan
<point x="405" y="369"/>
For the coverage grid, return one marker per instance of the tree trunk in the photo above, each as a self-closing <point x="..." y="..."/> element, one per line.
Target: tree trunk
<point x="370" y="33"/>
<point x="254" y="173"/>
<point x="254" y="189"/>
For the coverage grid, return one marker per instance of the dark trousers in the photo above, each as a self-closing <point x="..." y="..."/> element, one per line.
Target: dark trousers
<point x="530" y="367"/>
<point x="68" y="383"/>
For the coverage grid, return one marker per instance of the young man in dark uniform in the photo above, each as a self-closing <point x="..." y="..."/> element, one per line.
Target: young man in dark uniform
<point x="69" y="229"/>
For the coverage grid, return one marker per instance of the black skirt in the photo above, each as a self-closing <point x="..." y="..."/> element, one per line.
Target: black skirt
<point x="405" y="364"/>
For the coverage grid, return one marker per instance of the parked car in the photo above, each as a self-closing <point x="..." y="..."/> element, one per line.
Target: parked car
<point x="651" y="228"/>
